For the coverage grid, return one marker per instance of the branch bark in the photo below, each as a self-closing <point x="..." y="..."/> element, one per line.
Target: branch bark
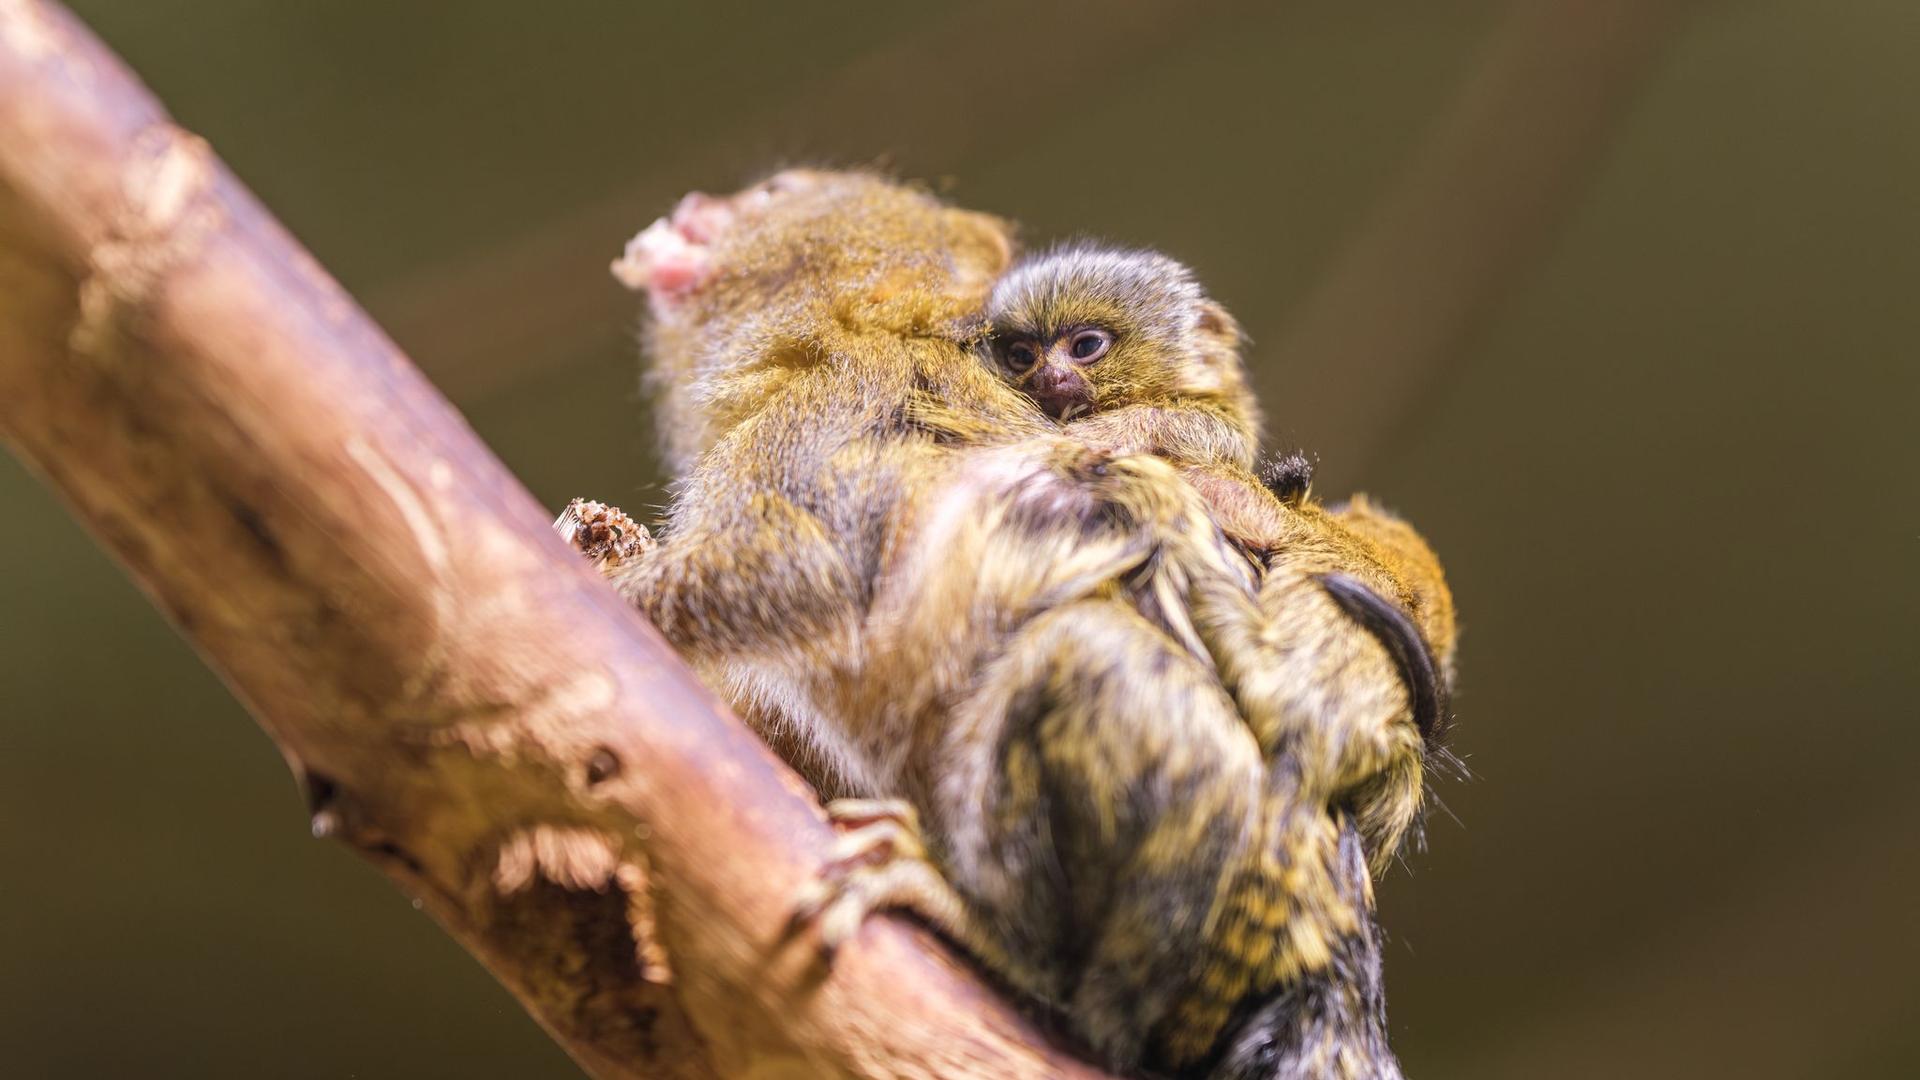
<point x="465" y="703"/>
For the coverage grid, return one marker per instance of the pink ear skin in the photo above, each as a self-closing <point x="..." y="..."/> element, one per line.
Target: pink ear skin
<point x="672" y="258"/>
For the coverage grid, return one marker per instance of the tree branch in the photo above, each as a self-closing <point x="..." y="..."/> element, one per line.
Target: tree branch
<point x="464" y="702"/>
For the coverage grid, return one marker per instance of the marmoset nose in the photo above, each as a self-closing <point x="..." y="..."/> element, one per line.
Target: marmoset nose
<point x="1059" y="390"/>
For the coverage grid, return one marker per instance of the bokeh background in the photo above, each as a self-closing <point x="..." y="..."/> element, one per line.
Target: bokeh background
<point x="1614" y="299"/>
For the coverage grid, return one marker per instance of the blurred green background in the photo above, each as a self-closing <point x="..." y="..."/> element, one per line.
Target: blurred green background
<point x="1671" y="457"/>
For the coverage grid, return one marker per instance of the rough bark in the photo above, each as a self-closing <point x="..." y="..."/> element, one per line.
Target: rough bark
<point x="465" y="704"/>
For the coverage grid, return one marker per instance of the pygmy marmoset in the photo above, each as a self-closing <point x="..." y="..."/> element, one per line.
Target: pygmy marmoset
<point x="924" y="592"/>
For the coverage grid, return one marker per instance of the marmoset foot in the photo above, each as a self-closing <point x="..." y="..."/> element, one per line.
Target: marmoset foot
<point x="879" y="864"/>
<point x="604" y="534"/>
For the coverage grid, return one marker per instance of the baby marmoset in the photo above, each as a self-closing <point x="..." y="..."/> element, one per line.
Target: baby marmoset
<point x="882" y="554"/>
<point x="1129" y="353"/>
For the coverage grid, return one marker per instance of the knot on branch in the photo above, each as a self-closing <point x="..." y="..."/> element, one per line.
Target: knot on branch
<point x="164" y="218"/>
<point x="333" y="814"/>
<point x="575" y="859"/>
<point x="576" y="906"/>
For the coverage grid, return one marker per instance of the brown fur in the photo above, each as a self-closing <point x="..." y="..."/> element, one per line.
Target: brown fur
<point x="923" y="591"/>
<point x="1307" y="674"/>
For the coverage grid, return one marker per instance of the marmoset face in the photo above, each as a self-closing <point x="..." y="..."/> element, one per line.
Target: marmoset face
<point x="1085" y="329"/>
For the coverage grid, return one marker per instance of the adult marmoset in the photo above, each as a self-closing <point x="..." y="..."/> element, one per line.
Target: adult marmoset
<point x="932" y="601"/>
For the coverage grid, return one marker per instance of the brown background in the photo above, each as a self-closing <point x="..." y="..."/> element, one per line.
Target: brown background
<point x="1673" y="470"/>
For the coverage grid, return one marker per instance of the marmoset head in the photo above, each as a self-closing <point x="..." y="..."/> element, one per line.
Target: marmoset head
<point x="1085" y="328"/>
<point x="742" y="288"/>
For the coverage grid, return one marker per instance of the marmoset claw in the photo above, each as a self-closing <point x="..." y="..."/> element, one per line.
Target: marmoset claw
<point x="877" y="864"/>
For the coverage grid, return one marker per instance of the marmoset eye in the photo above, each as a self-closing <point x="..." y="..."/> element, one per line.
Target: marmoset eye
<point x="1090" y="345"/>
<point x="1021" y="355"/>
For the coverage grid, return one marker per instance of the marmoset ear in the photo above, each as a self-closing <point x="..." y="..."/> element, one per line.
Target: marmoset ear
<point x="1216" y="367"/>
<point x="1216" y="321"/>
<point x="982" y="247"/>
